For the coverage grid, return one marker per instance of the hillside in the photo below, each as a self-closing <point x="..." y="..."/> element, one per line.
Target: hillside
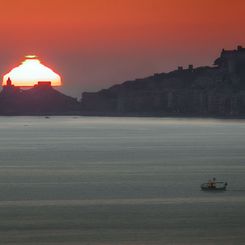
<point x="217" y="90"/>
<point x="39" y="100"/>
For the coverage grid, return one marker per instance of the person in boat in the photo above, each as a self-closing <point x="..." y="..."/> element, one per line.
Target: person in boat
<point x="213" y="183"/>
<point x="209" y="183"/>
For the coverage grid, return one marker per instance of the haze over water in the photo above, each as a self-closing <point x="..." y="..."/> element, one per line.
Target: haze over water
<point x="79" y="180"/>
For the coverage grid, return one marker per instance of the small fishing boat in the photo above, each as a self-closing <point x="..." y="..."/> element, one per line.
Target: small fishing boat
<point x="217" y="186"/>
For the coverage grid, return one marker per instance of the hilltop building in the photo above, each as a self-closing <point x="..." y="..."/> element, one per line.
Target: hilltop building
<point x="42" y="99"/>
<point x="43" y="84"/>
<point x="232" y="60"/>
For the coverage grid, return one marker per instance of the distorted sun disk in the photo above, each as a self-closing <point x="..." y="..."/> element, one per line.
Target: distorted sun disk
<point x="30" y="72"/>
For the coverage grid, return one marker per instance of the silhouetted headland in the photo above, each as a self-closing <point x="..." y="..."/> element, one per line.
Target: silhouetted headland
<point x="217" y="91"/>
<point x="209" y="91"/>
<point x="42" y="99"/>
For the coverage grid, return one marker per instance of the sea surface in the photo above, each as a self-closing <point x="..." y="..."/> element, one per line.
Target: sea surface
<point x="130" y="181"/>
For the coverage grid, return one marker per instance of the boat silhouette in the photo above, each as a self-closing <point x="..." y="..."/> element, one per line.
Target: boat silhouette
<point x="217" y="186"/>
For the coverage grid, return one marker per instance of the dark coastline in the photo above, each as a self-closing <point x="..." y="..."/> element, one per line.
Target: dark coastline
<point x="208" y="91"/>
<point x="159" y="115"/>
<point x="127" y="115"/>
<point x="216" y="91"/>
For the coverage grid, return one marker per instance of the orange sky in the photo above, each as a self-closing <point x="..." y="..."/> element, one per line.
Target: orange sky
<point x="95" y="43"/>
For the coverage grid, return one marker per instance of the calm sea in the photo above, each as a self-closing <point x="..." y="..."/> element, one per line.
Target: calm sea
<point x="90" y="180"/>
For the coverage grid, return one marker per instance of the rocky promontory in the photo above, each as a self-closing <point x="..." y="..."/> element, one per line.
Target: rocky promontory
<point x="41" y="99"/>
<point x="217" y="90"/>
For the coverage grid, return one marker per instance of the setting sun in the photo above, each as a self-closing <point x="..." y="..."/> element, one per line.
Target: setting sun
<point x="30" y="72"/>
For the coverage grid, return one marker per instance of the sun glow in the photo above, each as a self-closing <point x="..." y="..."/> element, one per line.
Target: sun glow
<point x="30" y="72"/>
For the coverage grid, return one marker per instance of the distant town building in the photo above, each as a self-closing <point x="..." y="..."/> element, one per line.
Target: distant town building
<point x="232" y="60"/>
<point x="9" y="87"/>
<point x="9" y="82"/>
<point x="43" y="84"/>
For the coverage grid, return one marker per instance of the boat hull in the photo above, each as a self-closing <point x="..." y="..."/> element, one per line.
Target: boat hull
<point x="220" y="186"/>
<point x="213" y="189"/>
